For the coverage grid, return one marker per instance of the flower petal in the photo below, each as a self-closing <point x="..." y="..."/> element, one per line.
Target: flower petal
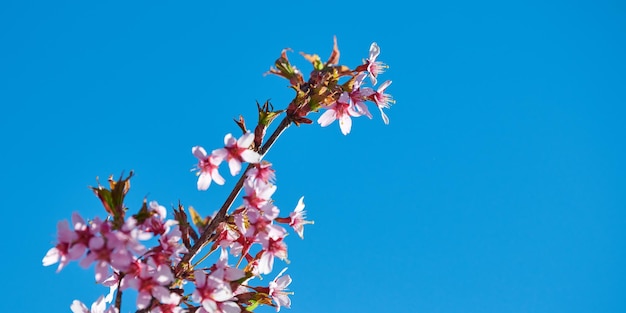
<point x="199" y="152"/>
<point x="204" y="181"/>
<point x="250" y="156"/>
<point x="78" y="307"/>
<point x="53" y="256"/>
<point x="327" y="118"/>
<point x="230" y="307"/>
<point x="235" y="166"/>
<point x="300" y="205"/>
<point x="344" y="98"/>
<point x="345" y="123"/>
<point x="246" y="140"/>
<point x="282" y="282"/>
<point x="218" y="155"/>
<point x="229" y="140"/>
<point x="217" y="177"/>
<point x="383" y="86"/>
<point x="374" y="52"/>
<point x="385" y="118"/>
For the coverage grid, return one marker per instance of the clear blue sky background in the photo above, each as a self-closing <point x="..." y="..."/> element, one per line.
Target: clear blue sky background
<point x="497" y="187"/>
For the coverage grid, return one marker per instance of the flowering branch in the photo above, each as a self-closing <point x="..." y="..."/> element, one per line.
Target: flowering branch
<point x="220" y="216"/>
<point x="162" y="275"/>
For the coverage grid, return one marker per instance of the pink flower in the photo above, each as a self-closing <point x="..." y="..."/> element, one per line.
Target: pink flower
<point x="223" y="271"/>
<point x="227" y="233"/>
<point x="72" y="243"/>
<point x="62" y="252"/>
<point x="272" y="247"/>
<point x="150" y="282"/>
<point x="298" y="217"/>
<point x="213" y="294"/>
<point x="358" y="95"/>
<point x="278" y="291"/>
<point x="263" y="171"/>
<point x="374" y="67"/>
<point x="236" y="151"/>
<point x="339" y="110"/>
<point x="270" y="211"/>
<point x="158" y="209"/>
<point x="257" y="193"/>
<point x="112" y="248"/>
<point x="170" y="246"/>
<point x="207" y="166"/>
<point x="383" y="100"/>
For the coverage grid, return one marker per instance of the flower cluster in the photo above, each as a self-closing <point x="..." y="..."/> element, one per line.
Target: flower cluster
<point x="152" y="255"/>
<point x="351" y="103"/>
<point x="324" y="90"/>
<point x="122" y="259"/>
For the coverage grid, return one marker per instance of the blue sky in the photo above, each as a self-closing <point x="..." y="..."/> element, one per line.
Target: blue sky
<point x="497" y="187"/>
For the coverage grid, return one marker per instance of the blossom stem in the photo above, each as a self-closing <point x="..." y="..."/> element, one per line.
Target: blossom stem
<point x="208" y="231"/>
<point x="118" y="294"/>
<point x="203" y="258"/>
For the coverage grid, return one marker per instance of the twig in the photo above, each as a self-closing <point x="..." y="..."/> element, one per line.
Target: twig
<point x="118" y="294"/>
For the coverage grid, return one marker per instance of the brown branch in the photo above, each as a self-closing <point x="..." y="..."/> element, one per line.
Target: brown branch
<point x="207" y="233"/>
<point x="118" y="294"/>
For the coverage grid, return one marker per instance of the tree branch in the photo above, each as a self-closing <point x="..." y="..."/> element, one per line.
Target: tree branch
<point x="205" y="237"/>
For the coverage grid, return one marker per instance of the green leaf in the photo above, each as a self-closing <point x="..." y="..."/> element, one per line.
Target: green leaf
<point x="254" y="304"/>
<point x="197" y="219"/>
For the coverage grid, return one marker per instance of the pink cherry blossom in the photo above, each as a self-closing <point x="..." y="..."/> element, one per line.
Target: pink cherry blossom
<point x="223" y="271"/>
<point x="272" y="247"/>
<point x="340" y="110"/>
<point x="62" y="251"/>
<point x="374" y="67"/>
<point x="150" y="283"/>
<point x="72" y="242"/>
<point x="250" y="223"/>
<point x="269" y="210"/>
<point x="236" y="151"/>
<point x="207" y="167"/>
<point x="263" y="171"/>
<point x="358" y="95"/>
<point x="153" y="225"/>
<point x="298" y="218"/>
<point x="100" y="253"/>
<point x="227" y="233"/>
<point x="158" y="210"/>
<point x="242" y="221"/>
<point x="170" y="246"/>
<point x="383" y="100"/>
<point x="257" y="193"/>
<point x="111" y="248"/>
<point x="260" y="224"/>
<point x="278" y="291"/>
<point x="210" y="292"/>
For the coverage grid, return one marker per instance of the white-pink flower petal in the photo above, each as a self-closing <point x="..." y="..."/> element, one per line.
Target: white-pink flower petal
<point x="327" y="118"/>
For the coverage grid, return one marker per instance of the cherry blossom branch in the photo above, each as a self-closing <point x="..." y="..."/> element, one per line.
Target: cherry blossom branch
<point x="158" y="273"/>
<point x="220" y="217"/>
